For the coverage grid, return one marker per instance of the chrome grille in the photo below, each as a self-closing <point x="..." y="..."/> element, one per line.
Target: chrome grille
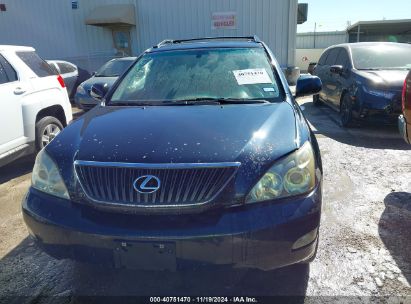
<point x="181" y="184"/>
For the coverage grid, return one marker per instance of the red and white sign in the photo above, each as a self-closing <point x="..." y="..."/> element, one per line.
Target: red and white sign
<point x="224" y="20"/>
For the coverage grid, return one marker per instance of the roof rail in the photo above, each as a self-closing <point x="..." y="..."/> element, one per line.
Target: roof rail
<point x="170" y="41"/>
<point x="164" y="42"/>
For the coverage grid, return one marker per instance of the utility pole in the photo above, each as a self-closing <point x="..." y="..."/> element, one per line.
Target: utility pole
<point x="315" y="30"/>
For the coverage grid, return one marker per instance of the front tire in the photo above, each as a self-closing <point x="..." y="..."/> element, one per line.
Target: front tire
<point x="47" y="129"/>
<point x="346" y="115"/>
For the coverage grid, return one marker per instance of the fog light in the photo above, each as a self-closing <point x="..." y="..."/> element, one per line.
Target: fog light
<point x="305" y="239"/>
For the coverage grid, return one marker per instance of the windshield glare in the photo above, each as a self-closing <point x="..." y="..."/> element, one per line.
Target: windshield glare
<point x="382" y="57"/>
<point x="114" y="68"/>
<point x="181" y="75"/>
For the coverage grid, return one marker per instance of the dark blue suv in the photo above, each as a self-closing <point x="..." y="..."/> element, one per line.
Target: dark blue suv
<point x="197" y="154"/>
<point x="363" y="81"/>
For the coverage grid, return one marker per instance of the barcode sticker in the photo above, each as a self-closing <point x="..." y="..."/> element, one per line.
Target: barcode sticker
<point x="252" y="76"/>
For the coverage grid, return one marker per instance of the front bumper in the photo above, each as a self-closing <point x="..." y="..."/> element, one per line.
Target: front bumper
<point x="262" y="236"/>
<point x="404" y="128"/>
<point x="378" y="108"/>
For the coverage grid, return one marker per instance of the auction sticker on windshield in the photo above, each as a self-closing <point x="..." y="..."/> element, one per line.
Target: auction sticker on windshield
<point x="252" y="76"/>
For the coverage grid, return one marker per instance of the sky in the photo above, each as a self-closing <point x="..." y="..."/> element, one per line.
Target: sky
<point x="333" y="15"/>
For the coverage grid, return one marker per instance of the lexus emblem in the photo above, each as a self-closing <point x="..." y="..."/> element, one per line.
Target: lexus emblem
<point x="147" y="184"/>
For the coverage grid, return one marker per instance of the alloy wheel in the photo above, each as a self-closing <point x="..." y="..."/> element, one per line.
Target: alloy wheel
<point x="49" y="133"/>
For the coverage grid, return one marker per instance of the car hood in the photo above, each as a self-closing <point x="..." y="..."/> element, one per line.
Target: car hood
<point x="255" y="135"/>
<point x="388" y="79"/>
<point x="183" y="134"/>
<point x="188" y="134"/>
<point x="98" y="80"/>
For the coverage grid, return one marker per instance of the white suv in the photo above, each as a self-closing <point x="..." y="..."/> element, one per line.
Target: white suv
<point x="34" y="106"/>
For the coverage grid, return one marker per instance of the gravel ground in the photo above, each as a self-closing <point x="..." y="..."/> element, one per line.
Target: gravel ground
<point x="364" y="250"/>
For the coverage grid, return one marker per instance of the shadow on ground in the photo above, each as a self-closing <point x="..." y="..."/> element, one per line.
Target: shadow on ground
<point x="26" y="271"/>
<point x="365" y="134"/>
<point x="395" y="230"/>
<point x="17" y="168"/>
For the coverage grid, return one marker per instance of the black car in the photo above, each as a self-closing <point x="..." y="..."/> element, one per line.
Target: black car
<point x="364" y="80"/>
<point x="106" y="75"/>
<point x="198" y="154"/>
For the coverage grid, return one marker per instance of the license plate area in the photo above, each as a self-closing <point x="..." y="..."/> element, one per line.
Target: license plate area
<point x="146" y="255"/>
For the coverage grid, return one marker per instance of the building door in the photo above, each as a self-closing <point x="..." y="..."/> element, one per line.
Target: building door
<point x="122" y="41"/>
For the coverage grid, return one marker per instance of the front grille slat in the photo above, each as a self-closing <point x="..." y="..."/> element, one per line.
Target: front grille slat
<point x="154" y="195"/>
<point x="100" y="183"/>
<point x="162" y="191"/>
<point x="130" y="189"/>
<point x="211" y="175"/>
<point x="198" y="185"/>
<point x="83" y="175"/>
<point x="108" y="178"/>
<point x="180" y="184"/>
<point x="187" y="190"/>
<point x="116" y="185"/>
<point x="213" y="186"/>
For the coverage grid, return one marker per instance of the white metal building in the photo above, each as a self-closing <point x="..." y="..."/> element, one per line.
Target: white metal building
<point x="320" y="40"/>
<point x="309" y="46"/>
<point x="89" y="32"/>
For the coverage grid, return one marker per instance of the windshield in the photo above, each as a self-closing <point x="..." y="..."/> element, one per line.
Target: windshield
<point x="242" y="74"/>
<point x="382" y="56"/>
<point x="114" y="68"/>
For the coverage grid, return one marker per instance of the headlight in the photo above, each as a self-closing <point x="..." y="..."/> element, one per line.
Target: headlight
<point x="291" y="176"/>
<point x="81" y="90"/>
<point x="46" y="176"/>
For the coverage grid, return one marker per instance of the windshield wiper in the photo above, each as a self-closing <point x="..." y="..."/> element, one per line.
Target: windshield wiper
<point x="189" y="102"/>
<point x="129" y="104"/>
<point x="370" y="69"/>
<point x="102" y="75"/>
<point x="209" y="100"/>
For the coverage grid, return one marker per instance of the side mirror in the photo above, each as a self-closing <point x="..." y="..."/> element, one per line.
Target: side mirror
<point x="98" y="91"/>
<point x="337" y="69"/>
<point x="308" y="85"/>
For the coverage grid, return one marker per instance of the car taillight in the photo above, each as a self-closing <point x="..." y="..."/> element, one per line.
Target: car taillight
<point x="61" y="81"/>
<point x="404" y="93"/>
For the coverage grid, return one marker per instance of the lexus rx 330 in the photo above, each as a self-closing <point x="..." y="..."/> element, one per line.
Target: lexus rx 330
<point x="199" y="153"/>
